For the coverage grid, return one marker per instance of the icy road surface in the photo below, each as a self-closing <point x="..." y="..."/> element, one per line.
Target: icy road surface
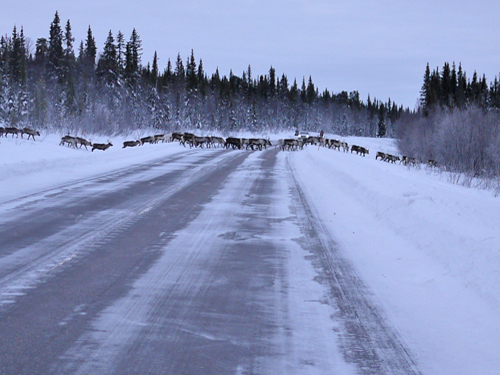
<point x="200" y="262"/>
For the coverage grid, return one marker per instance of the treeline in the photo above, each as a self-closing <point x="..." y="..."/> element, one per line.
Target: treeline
<point x="113" y="92"/>
<point x="451" y="88"/>
<point x="457" y="124"/>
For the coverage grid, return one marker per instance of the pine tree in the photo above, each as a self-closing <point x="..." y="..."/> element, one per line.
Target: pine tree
<point x="69" y="52"/>
<point x="381" y="122"/>
<point x="311" y="95"/>
<point x="303" y="90"/>
<point x="425" y="91"/>
<point x="272" y="81"/>
<point x="180" y="73"/>
<point x="202" y="82"/>
<point x="120" y="50"/>
<point x="55" y="53"/>
<point x="191" y="77"/>
<point x="154" y="71"/>
<point x="446" y="86"/>
<point x="133" y="54"/>
<point x="18" y="57"/>
<point x="89" y="53"/>
<point x="293" y="94"/>
<point x="461" y="94"/>
<point x="454" y="86"/>
<point x="108" y="66"/>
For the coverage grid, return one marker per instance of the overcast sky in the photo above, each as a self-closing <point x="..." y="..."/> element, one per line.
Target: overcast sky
<point x="379" y="48"/>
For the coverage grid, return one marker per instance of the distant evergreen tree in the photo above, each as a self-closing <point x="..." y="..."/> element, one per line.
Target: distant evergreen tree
<point x="446" y="86"/>
<point x="461" y="93"/>
<point x="191" y="73"/>
<point x="69" y="71"/>
<point x="55" y="53"/>
<point x="303" y="90"/>
<point x="272" y="81"/>
<point x="120" y="50"/>
<point x="18" y="57"/>
<point x="154" y="71"/>
<point x="202" y="81"/>
<point x="311" y="93"/>
<point x="108" y="64"/>
<point x="381" y="122"/>
<point x="69" y="53"/>
<point x="293" y="94"/>
<point x="89" y="53"/>
<point x="133" y="52"/>
<point x="180" y="73"/>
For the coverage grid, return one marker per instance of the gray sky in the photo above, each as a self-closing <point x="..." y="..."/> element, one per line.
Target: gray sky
<point x="379" y="48"/>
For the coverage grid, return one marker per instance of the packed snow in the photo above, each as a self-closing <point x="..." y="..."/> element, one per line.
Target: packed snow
<point x="429" y="250"/>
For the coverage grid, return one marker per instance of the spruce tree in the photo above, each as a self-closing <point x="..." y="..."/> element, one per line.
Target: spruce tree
<point x="191" y="76"/>
<point x="180" y="73"/>
<point x="381" y="122"/>
<point x="18" y="57"/>
<point x="425" y="91"/>
<point x="107" y="66"/>
<point x="154" y="71"/>
<point x="55" y="53"/>
<point x="311" y="92"/>
<point x="446" y="86"/>
<point x="120" y="50"/>
<point x="89" y="53"/>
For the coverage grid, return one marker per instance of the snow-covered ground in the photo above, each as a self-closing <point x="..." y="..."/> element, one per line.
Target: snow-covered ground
<point x="428" y="250"/>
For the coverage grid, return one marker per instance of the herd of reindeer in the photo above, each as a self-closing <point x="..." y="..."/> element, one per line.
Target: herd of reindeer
<point x="192" y="140"/>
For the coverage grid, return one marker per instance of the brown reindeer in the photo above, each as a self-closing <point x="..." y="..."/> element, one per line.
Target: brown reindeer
<point x="131" y="144"/>
<point x="11" y="131"/>
<point x="83" y="142"/>
<point x="30" y="132"/>
<point x="101" y="146"/>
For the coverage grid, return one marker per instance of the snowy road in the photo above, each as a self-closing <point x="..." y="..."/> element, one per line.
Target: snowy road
<point x="201" y="262"/>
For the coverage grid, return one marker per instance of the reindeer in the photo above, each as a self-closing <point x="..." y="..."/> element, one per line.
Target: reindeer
<point x="30" y="132"/>
<point x="335" y="144"/>
<point x="291" y="144"/>
<point x="414" y="161"/>
<point x="2" y="130"/>
<point x="235" y="143"/>
<point x="381" y="155"/>
<point x="131" y="144"/>
<point x="259" y="143"/>
<point x="150" y="140"/>
<point x="359" y="150"/>
<point x="160" y="137"/>
<point x="83" y="142"/>
<point x="177" y="137"/>
<point x="12" y="131"/>
<point x="218" y="141"/>
<point x="101" y="146"/>
<point x="432" y="163"/>
<point x="200" y="141"/>
<point x="312" y="141"/>
<point x="187" y="138"/>
<point x="71" y="141"/>
<point x="392" y="158"/>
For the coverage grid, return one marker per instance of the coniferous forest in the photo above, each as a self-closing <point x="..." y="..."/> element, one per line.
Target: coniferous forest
<point x="457" y="123"/>
<point x="53" y="84"/>
<point x="62" y="87"/>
